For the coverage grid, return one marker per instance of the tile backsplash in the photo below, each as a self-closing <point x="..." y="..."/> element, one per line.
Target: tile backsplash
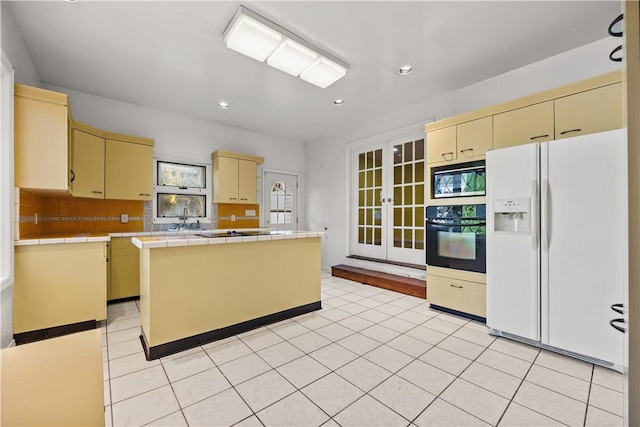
<point x="38" y="215"/>
<point x="41" y="215"/>
<point x="234" y="216"/>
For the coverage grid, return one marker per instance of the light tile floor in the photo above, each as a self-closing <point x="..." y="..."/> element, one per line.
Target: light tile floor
<point x="370" y="357"/>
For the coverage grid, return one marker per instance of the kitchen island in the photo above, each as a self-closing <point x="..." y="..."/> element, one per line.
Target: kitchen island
<point x="196" y="289"/>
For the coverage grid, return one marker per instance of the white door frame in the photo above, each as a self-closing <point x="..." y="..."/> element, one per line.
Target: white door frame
<point x="350" y="150"/>
<point x="266" y="194"/>
<point x="6" y="205"/>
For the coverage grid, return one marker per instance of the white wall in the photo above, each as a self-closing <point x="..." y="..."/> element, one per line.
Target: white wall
<point x="16" y="56"/>
<point x="184" y="137"/>
<point x="15" y="49"/>
<point x="327" y="159"/>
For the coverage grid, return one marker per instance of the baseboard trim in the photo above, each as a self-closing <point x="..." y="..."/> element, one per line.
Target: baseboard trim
<point x="56" y="331"/>
<point x="166" y="349"/>
<point x="459" y="313"/>
<point x="125" y="299"/>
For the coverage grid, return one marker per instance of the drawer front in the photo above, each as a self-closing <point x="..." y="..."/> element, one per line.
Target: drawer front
<point x="460" y="295"/>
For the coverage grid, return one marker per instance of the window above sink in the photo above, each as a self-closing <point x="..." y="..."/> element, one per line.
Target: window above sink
<point x="182" y="191"/>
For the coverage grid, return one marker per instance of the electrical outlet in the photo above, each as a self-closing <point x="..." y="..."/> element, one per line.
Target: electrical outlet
<point x="36" y="218"/>
<point x="124" y="218"/>
<point x="233" y="217"/>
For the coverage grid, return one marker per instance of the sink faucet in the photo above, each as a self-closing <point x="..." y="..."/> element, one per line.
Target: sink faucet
<point x="183" y="218"/>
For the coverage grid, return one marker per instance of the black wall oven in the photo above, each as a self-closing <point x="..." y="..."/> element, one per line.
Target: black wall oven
<point x="456" y="237"/>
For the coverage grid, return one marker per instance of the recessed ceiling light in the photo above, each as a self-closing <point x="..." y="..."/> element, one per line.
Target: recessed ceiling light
<point x="339" y="102"/>
<point x="405" y="69"/>
<point x="223" y="105"/>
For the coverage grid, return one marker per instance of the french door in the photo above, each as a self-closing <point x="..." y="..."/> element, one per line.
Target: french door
<point x="389" y="200"/>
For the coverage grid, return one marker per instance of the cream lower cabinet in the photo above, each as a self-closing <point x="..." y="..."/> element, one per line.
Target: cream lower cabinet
<point x="534" y="123"/>
<point x="59" y="284"/>
<point x="455" y="294"/>
<point x="87" y="164"/>
<point x="124" y="269"/>
<point x="41" y="137"/>
<point x="591" y="111"/>
<point x="128" y="170"/>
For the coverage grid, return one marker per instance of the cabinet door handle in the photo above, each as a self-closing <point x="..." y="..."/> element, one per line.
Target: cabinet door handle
<point x="96" y="192"/>
<point x="450" y="153"/>
<point x="539" y="136"/>
<point x="242" y="198"/>
<point x="613" y="24"/>
<point x="144" y="194"/>
<point x="455" y="286"/>
<point x="466" y="149"/>
<point x="569" y="131"/>
<point x="614" y="325"/>
<point x="613" y="52"/>
<point x="233" y="198"/>
<point x="73" y="176"/>
<point x="618" y="308"/>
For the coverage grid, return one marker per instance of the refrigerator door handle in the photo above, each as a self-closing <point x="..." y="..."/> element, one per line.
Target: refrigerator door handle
<point x="545" y="215"/>
<point x="534" y="215"/>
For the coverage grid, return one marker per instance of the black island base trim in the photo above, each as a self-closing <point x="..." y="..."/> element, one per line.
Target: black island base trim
<point x="53" y="332"/>
<point x="166" y="349"/>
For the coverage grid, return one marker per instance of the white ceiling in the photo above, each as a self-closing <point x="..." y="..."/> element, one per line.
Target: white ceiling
<point x="171" y="56"/>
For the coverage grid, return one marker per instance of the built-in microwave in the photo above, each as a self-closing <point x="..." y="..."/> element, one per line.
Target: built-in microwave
<point x="459" y="180"/>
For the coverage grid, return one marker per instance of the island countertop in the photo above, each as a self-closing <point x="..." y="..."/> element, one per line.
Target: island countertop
<point x="198" y="289"/>
<point x="213" y="237"/>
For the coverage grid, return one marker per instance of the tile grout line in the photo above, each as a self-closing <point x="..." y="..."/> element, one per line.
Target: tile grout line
<point x="379" y="345"/>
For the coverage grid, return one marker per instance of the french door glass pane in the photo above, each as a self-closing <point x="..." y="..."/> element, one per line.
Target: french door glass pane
<point x="408" y="195"/>
<point x="369" y="200"/>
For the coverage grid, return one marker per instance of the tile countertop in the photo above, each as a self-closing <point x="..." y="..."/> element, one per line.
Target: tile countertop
<point x="172" y="239"/>
<point x="181" y="238"/>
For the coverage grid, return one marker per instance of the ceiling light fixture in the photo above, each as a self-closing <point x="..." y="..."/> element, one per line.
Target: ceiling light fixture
<point x="405" y="69"/>
<point x="261" y="39"/>
<point x="339" y="102"/>
<point x="223" y="105"/>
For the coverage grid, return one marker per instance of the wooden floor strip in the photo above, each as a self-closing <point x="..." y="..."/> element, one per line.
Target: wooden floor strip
<point x="392" y="282"/>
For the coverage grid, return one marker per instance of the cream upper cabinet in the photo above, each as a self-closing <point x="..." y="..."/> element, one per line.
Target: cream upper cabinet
<point x="247" y="181"/>
<point x="225" y="180"/>
<point x="533" y="123"/>
<point x="41" y="139"/>
<point x="474" y="138"/>
<point x="87" y="164"/>
<point x="441" y="145"/>
<point x="128" y="170"/>
<point x="592" y="111"/>
<point x="235" y="177"/>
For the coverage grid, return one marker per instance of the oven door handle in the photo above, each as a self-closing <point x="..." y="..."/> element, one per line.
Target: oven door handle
<point x="458" y="223"/>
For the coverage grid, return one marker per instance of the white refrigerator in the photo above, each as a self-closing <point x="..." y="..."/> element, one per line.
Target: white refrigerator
<point x="557" y="233"/>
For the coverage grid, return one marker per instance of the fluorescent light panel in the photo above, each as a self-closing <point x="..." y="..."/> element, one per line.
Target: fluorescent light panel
<point x="292" y="58"/>
<point x="260" y="39"/>
<point x="251" y="38"/>
<point x="323" y="73"/>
